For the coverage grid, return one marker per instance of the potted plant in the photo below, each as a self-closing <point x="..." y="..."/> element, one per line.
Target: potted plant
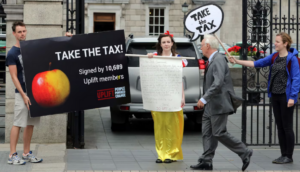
<point x="235" y="51"/>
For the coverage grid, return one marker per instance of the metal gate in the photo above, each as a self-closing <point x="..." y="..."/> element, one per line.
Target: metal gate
<point x="262" y="20"/>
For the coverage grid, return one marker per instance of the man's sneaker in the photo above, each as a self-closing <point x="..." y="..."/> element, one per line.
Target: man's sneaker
<point x="31" y="158"/>
<point x="275" y="161"/>
<point x="285" y="160"/>
<point x="15" y="160"/>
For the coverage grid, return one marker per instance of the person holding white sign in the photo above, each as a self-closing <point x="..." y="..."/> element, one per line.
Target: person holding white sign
<point x="168" y="126"/>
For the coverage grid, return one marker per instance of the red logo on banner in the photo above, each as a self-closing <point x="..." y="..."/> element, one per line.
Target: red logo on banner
<point x="106" y="94"/>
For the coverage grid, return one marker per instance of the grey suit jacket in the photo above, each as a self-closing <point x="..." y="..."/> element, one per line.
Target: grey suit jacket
<point x="218" y="88"/>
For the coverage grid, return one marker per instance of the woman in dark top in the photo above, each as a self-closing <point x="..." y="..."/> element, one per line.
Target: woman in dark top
<point x="283" y="87"/>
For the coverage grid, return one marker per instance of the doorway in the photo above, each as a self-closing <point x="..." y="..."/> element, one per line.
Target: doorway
<point x="104" y="22"/>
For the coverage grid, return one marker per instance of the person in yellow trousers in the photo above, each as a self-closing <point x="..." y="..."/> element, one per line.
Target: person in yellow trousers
<point x="168" y="126"/>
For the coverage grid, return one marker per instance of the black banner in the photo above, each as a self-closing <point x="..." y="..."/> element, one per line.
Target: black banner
<point x="67" y="74"/>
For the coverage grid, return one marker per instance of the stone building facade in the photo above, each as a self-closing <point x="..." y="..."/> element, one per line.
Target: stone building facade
<point x="139" y="17"/>
<point x="47" y="18"/>
<point x="142" y="17"/>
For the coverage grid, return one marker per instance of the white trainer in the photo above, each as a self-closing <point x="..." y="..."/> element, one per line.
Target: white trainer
<point x="15" y="160"/>
<point x="31" y="158"/>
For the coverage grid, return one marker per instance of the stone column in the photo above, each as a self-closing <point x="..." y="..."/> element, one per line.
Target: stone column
<point x="43" y="19"/>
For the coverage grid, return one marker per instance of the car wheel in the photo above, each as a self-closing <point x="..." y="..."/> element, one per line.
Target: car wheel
<point x="192" y="123"/>
<point x="118" y="127"/>
<point x="119" y="120"/>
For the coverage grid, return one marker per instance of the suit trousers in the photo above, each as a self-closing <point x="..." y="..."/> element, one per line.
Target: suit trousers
<point x="214" y="130"/>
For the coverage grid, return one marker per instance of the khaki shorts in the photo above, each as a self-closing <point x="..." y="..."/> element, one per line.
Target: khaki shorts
<point x="22" y="117"/>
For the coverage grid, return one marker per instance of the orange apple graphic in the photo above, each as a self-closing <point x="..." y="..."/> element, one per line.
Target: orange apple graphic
<point x="50" y="88"/>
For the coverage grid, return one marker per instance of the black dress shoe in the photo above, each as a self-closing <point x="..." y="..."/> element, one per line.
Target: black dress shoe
<point x="203" y="166"/>
<point x="246" y="161"/>
<point x="159" y="161"/>
<point x="168" y="161"/>
<point x="285" y="160"/>
<point x="275" y="161"/>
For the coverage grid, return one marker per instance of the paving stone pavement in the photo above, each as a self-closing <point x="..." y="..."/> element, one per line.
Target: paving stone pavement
<point x="134" y="150"/>
<point x="53" y="155"/>
<point x="58" y="159"/>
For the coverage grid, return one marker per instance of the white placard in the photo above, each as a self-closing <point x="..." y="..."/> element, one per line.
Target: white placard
<point x="161" y="84"/>
<point x="206" y="19"/>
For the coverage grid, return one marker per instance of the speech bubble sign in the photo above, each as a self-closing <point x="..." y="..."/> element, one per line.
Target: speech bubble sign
<point x="206" y="19"/>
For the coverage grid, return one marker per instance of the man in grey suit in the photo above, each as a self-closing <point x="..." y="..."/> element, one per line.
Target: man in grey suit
<point x="219" y="101"/>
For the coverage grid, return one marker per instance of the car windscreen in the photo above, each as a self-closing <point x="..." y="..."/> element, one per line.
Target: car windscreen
<point x="184" y="49"/>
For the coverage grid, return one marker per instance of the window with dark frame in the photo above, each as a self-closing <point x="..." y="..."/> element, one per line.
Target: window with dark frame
<point x="156" y="21"/>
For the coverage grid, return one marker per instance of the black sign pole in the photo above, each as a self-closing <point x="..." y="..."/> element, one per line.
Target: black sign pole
<point x="78" y="117"/>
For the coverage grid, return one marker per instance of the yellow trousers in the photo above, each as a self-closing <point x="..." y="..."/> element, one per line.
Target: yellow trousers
<point x="168" y="131"/>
